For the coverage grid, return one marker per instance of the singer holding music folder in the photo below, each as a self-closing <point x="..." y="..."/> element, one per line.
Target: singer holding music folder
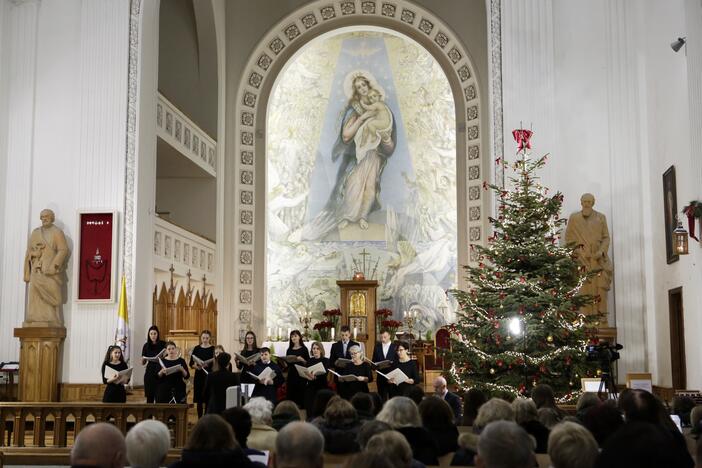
<point x="360" y="369"/>
<point x="205" y="353"/>
<point x="267" y="387"/>
<point x="152" y="349"/>
<point x="409" y="367"/>
<point x="114" y="391"/>
<point x="171" y="386"/>
<point x="384" y="350"/>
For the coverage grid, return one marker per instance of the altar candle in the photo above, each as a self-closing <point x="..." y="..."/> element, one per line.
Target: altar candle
<point x="355" y="330"/>
<point x="332" y="333"/>
<point x="288" y="332"/>
<point x="269" y="332"/>
<point x="280" y="333"/>
<point x="404" y="314"/>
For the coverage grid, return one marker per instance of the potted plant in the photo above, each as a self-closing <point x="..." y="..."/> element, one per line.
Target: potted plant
<point x="333" y="316"/>
<point x="324" y="329"/>
<point x="391" y="326"/>
<point x="380" y="315"/>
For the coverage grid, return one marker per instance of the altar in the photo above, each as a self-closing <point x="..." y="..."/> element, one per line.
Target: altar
<point x="278" y="348"/>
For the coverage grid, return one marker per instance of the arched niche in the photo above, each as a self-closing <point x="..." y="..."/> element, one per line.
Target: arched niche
<point x="249" y="148"/>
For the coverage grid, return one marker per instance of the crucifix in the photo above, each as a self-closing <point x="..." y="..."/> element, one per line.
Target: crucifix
<point x="364" y="254"/>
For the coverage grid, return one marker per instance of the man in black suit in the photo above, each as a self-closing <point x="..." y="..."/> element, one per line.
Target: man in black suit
<point x="340" y="349"/>
<point x="267" y="388"/>
<point x="454" y="401"/>
<point x="384" y="350"/>
<point x="217" y="383"/>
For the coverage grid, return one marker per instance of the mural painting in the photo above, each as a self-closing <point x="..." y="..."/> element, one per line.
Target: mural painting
<point x="361" y="158"/>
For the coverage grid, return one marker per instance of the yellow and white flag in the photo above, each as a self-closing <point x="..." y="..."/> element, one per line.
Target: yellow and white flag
<point x="122" y="330"/>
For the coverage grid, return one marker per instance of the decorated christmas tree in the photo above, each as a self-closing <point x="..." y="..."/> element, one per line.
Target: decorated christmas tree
<point x="519" y="323"/>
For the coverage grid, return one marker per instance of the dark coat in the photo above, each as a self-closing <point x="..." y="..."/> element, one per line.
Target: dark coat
<point x="454" y="401"/>
<point x="446" y="438"/>
<point x="539" y="432"/>
<point x="339" y="440"/>
<point x="337" y="351"/>
<point x="215" y="391"/>
<point x="423" y="446"/>
<point x="269" y="392"/>
<point x="214" y="458"/>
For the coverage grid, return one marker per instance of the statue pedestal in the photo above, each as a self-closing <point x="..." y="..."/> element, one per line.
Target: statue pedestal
<point x="40" y="348"/>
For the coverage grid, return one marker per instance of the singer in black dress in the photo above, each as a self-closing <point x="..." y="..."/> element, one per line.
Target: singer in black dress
<point x="409" y="367"/>
<point x="204" y="351"/>
<point x="114" y="392"/>
<point x="319" y="382"/>
<point x="151" y="348"/>
<point x="360" y="369"/>
<point x="296" y="384"/>
<point x="250" y="348"/>
<point x="172" y="386"/>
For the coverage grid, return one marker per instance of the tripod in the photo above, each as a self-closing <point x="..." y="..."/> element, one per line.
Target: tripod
<point x="608" y="386"/>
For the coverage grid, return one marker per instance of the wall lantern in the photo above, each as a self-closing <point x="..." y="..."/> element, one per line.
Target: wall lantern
<point x="680" y="240"/>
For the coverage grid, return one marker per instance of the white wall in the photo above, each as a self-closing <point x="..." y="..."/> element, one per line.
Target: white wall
<point x="73" y="157"/>
<point x="191" y="203"/>
<point x="608" y="98"/>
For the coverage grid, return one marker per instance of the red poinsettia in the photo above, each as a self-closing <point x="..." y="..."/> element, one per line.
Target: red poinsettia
<point x="331" y="313"/>
<point x="383" y="313"/>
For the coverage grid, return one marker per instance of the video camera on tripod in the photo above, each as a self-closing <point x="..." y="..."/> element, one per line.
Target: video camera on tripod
<point x="605" y="354"/>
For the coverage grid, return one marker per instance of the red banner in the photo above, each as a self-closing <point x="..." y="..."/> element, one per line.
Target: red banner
<point x="95" y="271"/>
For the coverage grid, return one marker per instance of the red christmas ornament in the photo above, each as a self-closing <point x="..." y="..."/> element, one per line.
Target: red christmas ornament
<point x="499" y="363"/>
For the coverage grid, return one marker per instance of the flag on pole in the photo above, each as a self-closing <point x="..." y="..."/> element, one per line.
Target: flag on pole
<point x="122" y="330"/>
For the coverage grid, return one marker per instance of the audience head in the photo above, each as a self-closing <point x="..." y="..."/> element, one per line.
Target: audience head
<point x="369" y="429"/>
<point x="345" y="333"/>
<point x="101" y="445"/>
<point x="505" y="444"/>
<point x="641" y="444"/>
<point x="147" y="444"/>
<point x="289" y="408"/>
<point x="435" y="413"/>
<point x="362" y="402"/>
<point x="393" y="446"/>
<point x="640" y="405"/>
<point x="223" y="360"/>
<point x="440" y="386"/>
<point x="696" y="420"/>
<point x="543" y="396"/>
<point x="495" y="409"/>
<point x="524" y="410"/>
<point x="549" y="417"/>
<point x="260" y="410"/>
<point x="415" y="393"/>
<point x="570" y="445"/>
<point x="339" y="413"/>
<point x="472" y="401"/>
<point x="400" y="412"/>
<point x="377" y="402"/>
<point x="250" y="341"/>
<point x="240" y="421"/>
<point x="299" y="445"/>
<point x="586" y="401"/>
<point x="321" y="399"/>
<point x="211" y="432"/>
<point x="370" y="460"/>
<point x="602" y="421"/>
<point x="153" y="335"/>
<point x="682" y="406"/>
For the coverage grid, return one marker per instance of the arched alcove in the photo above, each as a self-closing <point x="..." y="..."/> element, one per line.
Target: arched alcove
<point x="251" y="101"/>
<point x="389" y="192"/>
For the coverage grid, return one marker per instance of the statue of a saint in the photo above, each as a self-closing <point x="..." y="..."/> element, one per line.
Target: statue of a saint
<point x="588" y="229"/>
<point x="43" y="270"/>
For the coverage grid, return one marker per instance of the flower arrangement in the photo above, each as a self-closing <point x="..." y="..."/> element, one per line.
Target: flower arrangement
<point x="324" y="329"/>
<point x="333" y="316"/>
<point x="380" y="315"/>
<point x="391" y="325"/>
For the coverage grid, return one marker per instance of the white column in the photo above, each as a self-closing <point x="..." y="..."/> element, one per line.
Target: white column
<point x="627" y="211"/>
<point x="693" y="49"/>
<point x="19" y="41"/>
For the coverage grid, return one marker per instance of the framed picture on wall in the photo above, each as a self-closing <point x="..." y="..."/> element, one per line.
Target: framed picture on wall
<point x="670" y="207"/>
<point x="96" y="256"/>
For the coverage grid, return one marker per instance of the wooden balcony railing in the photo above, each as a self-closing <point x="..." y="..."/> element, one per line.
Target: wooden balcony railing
<point x="56" y="425"/>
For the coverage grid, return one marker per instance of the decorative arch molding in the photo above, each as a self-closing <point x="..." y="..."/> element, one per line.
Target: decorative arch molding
<point x="269" y="59"/>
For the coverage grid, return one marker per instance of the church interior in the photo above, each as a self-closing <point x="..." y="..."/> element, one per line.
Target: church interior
<point x="507" y="192"/>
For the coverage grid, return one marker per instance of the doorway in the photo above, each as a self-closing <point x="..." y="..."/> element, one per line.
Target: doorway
<point x="677" y="338"/>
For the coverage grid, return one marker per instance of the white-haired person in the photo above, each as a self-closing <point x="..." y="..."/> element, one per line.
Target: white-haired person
<point x="402" y="415"/>
<point x="505" y="444"/>
<point x="358" y="368"/>
<point x="262" y="436"/>
<point x="147" y="444"/>
<point x="571" y="445"/>
<point x="495" y="409"/>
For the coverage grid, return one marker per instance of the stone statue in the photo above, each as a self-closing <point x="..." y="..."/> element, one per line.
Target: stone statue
<point x="588" y="229"/>
<point x="43" y="270"/>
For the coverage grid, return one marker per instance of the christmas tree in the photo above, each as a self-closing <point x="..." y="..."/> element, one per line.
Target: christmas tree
<point x="519" y="323"/>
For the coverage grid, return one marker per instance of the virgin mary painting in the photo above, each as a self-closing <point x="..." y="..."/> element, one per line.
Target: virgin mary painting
<point x="367" y="138"/>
